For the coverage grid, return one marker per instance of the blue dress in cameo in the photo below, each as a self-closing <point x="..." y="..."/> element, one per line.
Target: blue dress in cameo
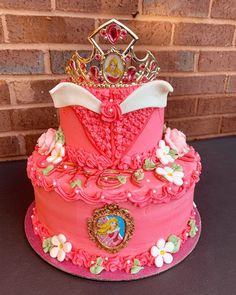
<point x="110" y="230"/>
<point x="113" y="68"/>
<point x="111" y="227"/>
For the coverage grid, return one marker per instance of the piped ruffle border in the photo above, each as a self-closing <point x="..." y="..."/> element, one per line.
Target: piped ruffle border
<point x="84" y="259"/>
<point x="165" y="194"/>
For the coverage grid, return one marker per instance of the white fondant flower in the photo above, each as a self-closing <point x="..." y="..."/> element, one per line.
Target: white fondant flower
<point x="57" y="154"/>
<point x="59" y="247"/>
<point x="171" y="175"/>
<point x="163" y="153"/>
<point x="161" y="252"/>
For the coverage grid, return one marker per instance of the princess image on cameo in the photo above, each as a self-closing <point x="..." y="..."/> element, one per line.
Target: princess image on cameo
<point x="113" y="68"/>
<point x="110" y="230"/>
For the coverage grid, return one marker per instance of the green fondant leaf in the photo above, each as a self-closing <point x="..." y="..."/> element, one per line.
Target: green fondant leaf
<point x="176" y="241"/>
<point x="99" y="261"/>
<point x="149" y="165"/>
<point x="47" y="169"/>
<point x="60" y="136"/>
<point x="47" y="245"/>
<point x="177" y="167"/>
<point x="136" y="262"/>
<point x="193" y="227"/>
<point x="76" y="182"/>
<point x="135" y="269"/>
<point x="97" y="268"/>
<point x="139" y="175"/>
<point x="173" y="154"/>
<point x="122" y="179"/>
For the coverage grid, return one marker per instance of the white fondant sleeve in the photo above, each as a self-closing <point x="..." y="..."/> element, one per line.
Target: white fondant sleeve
<point x="68" y="94"/>
<point x="150" y="95"/>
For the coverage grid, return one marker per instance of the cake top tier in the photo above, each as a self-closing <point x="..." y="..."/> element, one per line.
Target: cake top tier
<point x="113" y="67"/>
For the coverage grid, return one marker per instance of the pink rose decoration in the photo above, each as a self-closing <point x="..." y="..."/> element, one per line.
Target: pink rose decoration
<point x="46" y="142"/>
<point x="177" y="141"/>
<point x="110" y="112"/>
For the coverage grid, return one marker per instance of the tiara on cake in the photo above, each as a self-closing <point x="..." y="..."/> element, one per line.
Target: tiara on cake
<point x="112" y="67"/>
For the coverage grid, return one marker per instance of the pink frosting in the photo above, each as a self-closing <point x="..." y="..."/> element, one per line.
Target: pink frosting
<point x="85" y="259"/>
<point x="176" y="140"/>
<point x="46" y="142"/>
<point x="110" y="112"/>
<point x="154" y="191"/>
<point x="97" y="147"/>
<point x="151" y="222"/>
<point x="109" y="134"/>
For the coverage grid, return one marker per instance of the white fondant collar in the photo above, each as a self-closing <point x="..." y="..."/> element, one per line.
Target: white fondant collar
<point x="150" y="95"/>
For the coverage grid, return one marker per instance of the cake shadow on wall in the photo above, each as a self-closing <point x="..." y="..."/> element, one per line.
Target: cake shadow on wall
<point x="113" y="186"/>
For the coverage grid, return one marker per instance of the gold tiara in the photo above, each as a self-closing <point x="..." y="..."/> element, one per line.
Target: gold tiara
<point x="113" y="67"/>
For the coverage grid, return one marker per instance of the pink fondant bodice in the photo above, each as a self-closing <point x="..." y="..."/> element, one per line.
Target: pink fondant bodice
<point x="109" y="133"/>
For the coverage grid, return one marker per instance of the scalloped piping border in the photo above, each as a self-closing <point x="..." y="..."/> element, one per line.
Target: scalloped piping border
<point x="84" y="259"/>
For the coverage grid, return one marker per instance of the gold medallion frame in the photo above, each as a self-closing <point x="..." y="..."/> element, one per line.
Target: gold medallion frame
<point x="112" y="210"/>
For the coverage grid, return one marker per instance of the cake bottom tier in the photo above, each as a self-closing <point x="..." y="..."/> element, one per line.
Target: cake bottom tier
<point x="172" y="221"/>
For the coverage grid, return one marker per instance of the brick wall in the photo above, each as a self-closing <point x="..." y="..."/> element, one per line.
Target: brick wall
<point x="193" y="40"/>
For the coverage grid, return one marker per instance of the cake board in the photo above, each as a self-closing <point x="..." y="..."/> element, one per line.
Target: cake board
<point x="66" y="266"/>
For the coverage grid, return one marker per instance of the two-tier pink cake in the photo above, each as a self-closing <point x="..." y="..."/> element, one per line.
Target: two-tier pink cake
<point x="113" y="186"/>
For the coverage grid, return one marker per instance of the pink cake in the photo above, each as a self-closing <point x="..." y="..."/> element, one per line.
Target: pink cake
<point x="113" y="186"/>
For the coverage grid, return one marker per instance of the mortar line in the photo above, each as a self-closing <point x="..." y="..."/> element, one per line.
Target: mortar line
<point x="148" y="18"/>
<point x="53" y="5"/>
<point x="72" y="46"/>
<point x="4" y="28"/>
<point x="209" y="10"/>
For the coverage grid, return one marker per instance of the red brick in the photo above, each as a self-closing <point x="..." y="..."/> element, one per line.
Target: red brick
<point x="21" y="62"/>
<point x="30" y="142"/>
<point x="149" y="33"/>
<point x="105" y="6"/>
<point x="4" y="93"/>
<point x="34" y="118"/>
<point x="1" y="34"/>
<point x="34" y="91"/>
<point x="5" y="122"/>
<point x="197" y="84"/>
<point x="60" y="58"/>
<point x="180" y="107"/>
<point x="223" y="9"/>
<point x="196" y="126"/>
<point x="231" y="87"/>
<point x="26" y="4"/>
<point x="175" y="61"/>
<point x="216" y="105"/>
<point x="228" y="123"/>
<point x="176" y="7"/>
<point x="43" y="29"/>
<point x="210" y="61"/>
<point x="9" y="146"/>
<point x="203" y="34"/>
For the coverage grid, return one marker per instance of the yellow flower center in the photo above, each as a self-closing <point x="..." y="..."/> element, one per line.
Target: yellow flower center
<point x="162" y="252"/>
<point x="60" y="246"/>
<point x="170" y="174"/>
<point x="58" y="154"/>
